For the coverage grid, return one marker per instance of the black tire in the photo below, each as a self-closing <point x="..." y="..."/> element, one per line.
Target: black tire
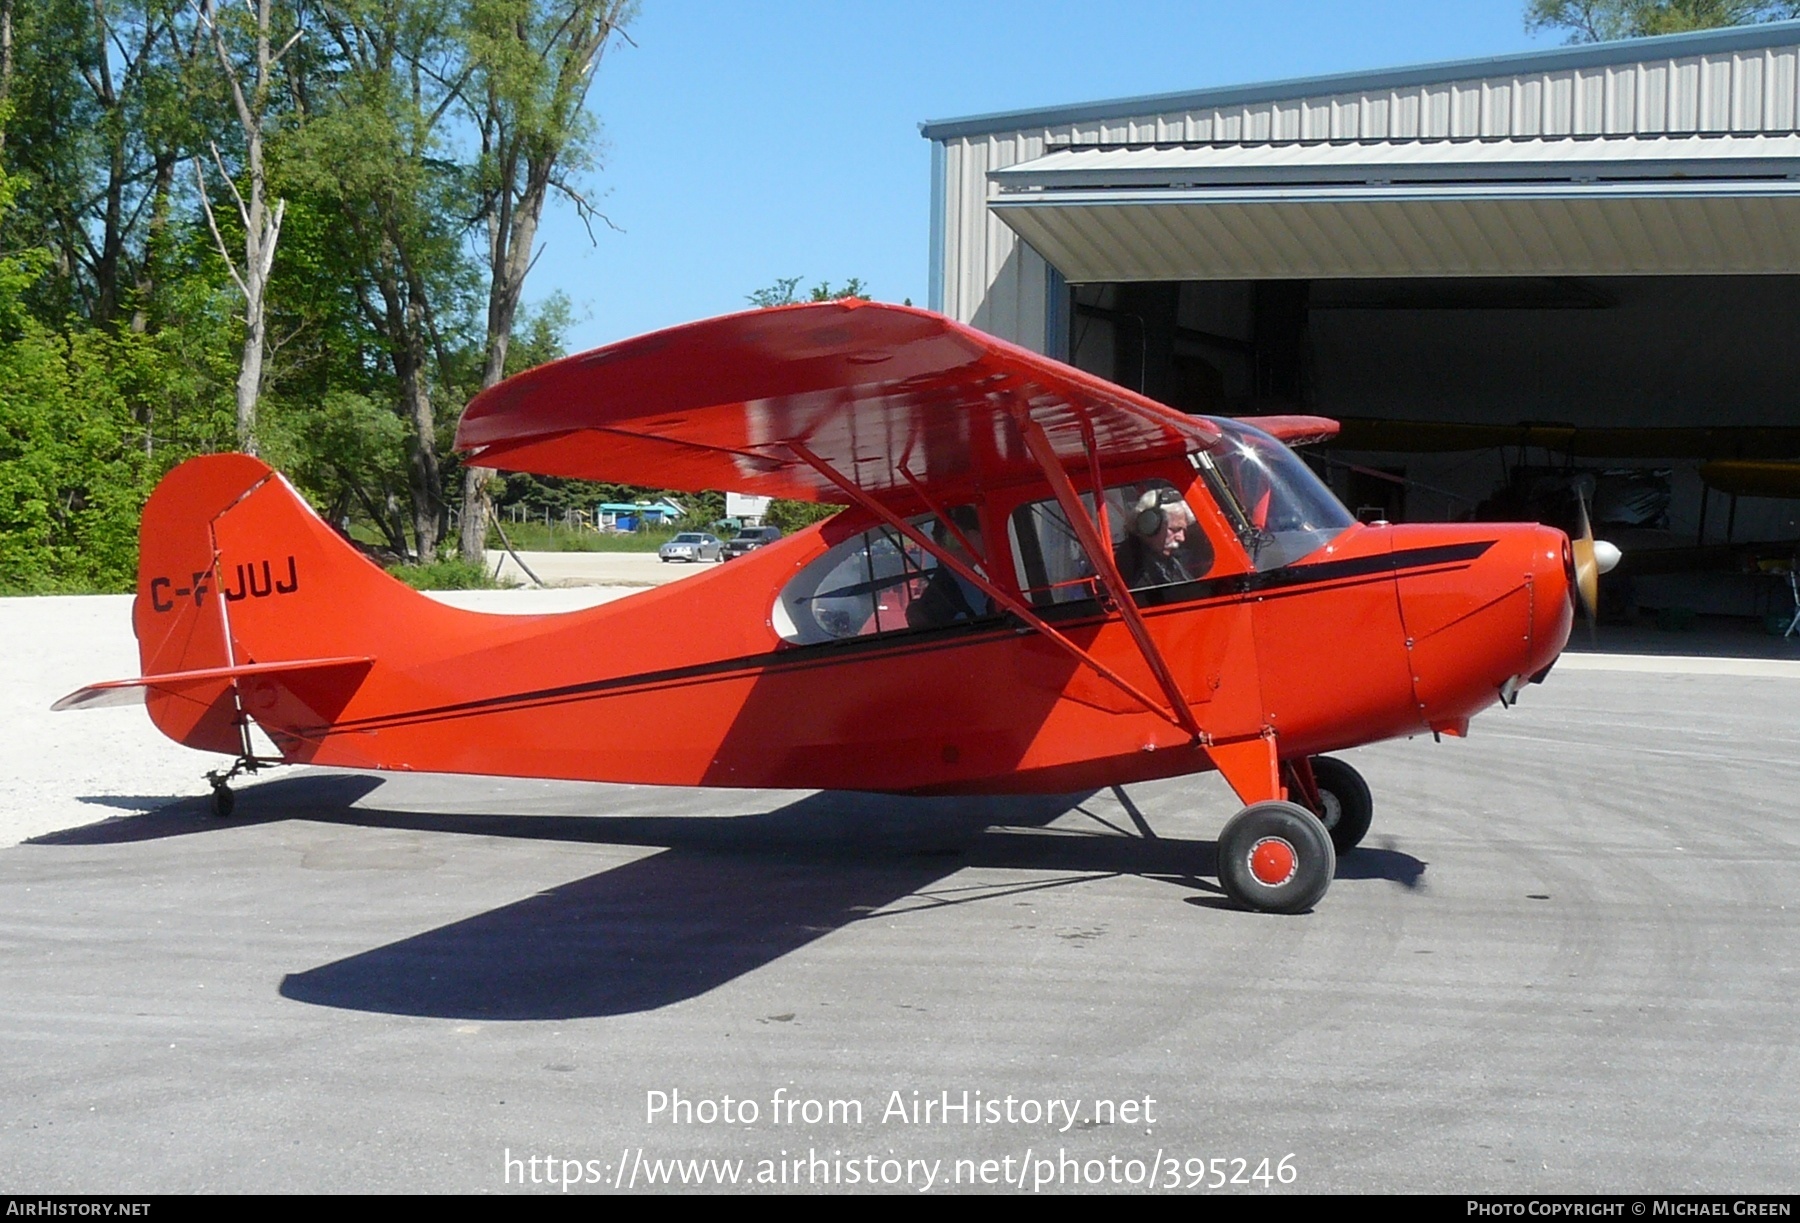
<point x="1276" y="857"/>
<point x="1346" y="806"/>
<point x="224" y="802"/>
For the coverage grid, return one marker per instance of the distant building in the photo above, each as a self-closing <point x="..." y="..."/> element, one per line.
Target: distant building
<point x="629" y="515"/>
<point x="746" y="508"/>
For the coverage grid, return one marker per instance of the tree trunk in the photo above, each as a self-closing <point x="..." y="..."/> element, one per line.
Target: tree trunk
<point x="423" y="477"/>
<point x="526" y="146"/>
<point x="509" y="253"/>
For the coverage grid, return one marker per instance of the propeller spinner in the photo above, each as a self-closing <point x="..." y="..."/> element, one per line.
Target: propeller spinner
<point x="1592" y="558"/>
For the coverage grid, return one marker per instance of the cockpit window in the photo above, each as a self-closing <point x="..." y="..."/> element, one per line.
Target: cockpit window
<point x="1280" y="509"/>
<point x="1155" y="541"/>
<point x="881" y="582"/>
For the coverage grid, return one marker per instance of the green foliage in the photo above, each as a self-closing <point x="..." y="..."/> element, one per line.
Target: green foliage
<point x="448" y="573"/>
<point x="71" y="478"/>
<point x="89" y="418"/>
<point x="536" y="537"/>
<point x="824" y="292"/>
<point x="120" y="327"/>
<point x="348" y="451"/>
<point x="1604" y="20"/>
<point x="785" y="292"/>
<point x="781" y="293"/>
<point x="793" y="516"/>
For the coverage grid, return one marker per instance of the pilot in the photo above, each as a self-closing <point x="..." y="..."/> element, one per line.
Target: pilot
<point x="1155" y="531"/>
<point x="948" y="598"/>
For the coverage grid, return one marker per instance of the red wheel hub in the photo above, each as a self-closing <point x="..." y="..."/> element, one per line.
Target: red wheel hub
<point x="1273" y="861"/>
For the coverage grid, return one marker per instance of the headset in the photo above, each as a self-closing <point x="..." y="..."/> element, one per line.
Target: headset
<point x="1149" y="516"/>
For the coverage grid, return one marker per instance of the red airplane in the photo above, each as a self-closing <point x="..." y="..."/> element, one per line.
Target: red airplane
<point x="1040" y="583"/>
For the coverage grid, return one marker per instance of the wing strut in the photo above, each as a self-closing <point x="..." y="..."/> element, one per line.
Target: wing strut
<point x="1000" y="597"/>
<point x="1100" y="556"/>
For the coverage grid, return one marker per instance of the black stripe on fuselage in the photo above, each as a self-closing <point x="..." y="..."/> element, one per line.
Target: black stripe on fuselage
<point x="1349" y="571"/>
<point x="1309" y="575"/>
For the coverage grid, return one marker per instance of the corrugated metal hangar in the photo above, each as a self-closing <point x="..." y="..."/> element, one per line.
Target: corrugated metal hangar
<point x="1516" y="281"/>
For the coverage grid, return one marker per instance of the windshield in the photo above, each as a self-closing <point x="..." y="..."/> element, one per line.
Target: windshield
<point x="1280" y="509"/>
<point x="688" y="537"/>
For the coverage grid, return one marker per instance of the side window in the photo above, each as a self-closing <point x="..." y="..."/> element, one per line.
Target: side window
<point x="880" y="582"/>
<point x="1155" y="542"/>
<point x="1052" y="565"/>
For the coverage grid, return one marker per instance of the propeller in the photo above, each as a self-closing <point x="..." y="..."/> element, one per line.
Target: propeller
<point x="1592" y="558"/>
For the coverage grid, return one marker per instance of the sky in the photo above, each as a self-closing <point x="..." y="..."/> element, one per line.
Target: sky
<point x="746" y="141"/>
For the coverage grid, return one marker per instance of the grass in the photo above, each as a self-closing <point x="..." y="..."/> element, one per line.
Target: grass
<point x="536" y="537"/>
<point x="449" y="573"/>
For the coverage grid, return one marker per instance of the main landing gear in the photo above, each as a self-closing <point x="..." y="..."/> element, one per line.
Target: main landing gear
<point x="1345" y="805"/>
<point x="1276" y="857"/>
<point x="1279" y="857"/>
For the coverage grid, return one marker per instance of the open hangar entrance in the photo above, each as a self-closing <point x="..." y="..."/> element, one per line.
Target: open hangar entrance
<point x="1514" y="280"/>
<point x="1667" y="402"/>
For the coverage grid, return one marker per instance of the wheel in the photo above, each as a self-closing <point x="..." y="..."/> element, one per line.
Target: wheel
<point x="1276" y="857"/>
<point x="1345" y="804"/>
<point x="223" y="802"/>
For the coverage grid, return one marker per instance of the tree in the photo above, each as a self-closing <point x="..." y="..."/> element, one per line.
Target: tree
<point x="782" y="292"/>
<point x="531" y="63"/>
<point x="376" y="101"/>
<point x="262" y="227"/>
<point x="105" y="109"/>
<point x="1604" y="20"/>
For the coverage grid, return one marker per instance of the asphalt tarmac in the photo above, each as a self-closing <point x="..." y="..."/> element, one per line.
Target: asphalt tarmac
<point x="1565" y="960"/>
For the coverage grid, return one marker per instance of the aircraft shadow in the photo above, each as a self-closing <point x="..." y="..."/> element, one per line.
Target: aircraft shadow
<point x="308" y="796"/>
<point x="726" y="895"/>
<point x="1382" y="862"/>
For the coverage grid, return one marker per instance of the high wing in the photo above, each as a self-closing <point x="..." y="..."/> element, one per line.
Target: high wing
<point x="887" y="397"/>
<point x="855" y="403"/>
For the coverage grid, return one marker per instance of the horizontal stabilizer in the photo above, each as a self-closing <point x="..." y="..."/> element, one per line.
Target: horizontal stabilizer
<point x="132" y="691"/>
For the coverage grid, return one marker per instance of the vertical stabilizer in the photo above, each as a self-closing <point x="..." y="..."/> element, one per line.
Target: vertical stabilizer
<point x="237" y="575"/>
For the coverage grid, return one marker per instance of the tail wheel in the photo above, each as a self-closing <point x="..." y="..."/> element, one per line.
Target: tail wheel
<point x="1276" y="857"/>
<point x="1345" y="804"/>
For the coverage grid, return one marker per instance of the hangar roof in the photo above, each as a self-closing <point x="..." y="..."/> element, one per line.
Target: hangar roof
<point x="1594" y="55"/>
<point x="1678" y="204"/>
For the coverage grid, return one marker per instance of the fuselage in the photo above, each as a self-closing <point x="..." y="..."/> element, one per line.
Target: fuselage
<point x="1380" y="631"/>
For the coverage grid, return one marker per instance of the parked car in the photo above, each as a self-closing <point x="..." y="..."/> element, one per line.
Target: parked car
<point x="692" y="546"/>
<point x="749" y="539"/>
